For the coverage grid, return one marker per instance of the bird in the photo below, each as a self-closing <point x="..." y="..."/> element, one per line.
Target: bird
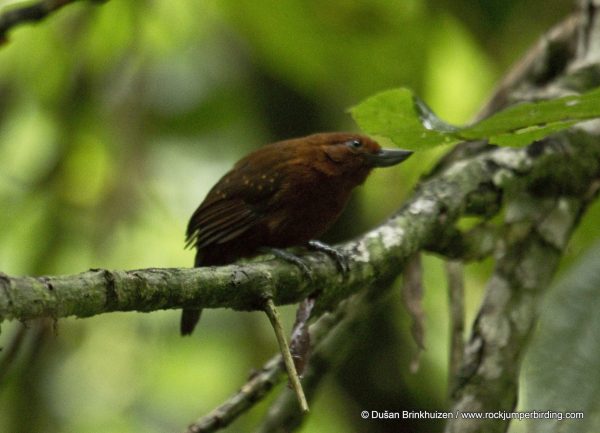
<point x="284" y="194"/>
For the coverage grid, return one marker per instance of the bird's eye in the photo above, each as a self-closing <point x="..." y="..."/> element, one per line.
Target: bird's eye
<point x="354" y="144"/>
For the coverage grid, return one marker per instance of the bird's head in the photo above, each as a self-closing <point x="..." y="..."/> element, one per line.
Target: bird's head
<point x="354" y="155"/>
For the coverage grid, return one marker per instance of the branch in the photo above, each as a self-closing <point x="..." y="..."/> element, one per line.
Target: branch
<point x="260" y="383"/>
<point x="538" y="230"/>
<point x="545" y="60"/>
<point x="490" y="369"/>
<point x="19" y="14"/>
<point x="538" y="224"/>
<point x="331" y="349"/>
<point x="374" y="258"/>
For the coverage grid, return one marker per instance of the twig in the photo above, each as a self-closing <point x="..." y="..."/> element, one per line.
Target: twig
<point x="331" y="348"/>
<point x="539" y="62"/>
<point x="252" y="392"/>
<point x="19" y="14"/>
<point x="275" y="319"/>
<point x="262" y="382"/>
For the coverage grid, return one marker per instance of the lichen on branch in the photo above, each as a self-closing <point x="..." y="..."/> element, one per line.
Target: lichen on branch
<point x="377" y="256"/>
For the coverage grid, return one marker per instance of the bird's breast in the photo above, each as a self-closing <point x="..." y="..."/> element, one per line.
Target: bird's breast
<point x="306" y="214"/>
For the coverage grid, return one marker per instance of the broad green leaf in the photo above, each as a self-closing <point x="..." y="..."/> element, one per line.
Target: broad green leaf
<point x="394" y="114"/>
<point x="400" y="116"/>
<point x="561" y="365"/>
<point x="526" y="115"/>
<point x="525" y="136"/>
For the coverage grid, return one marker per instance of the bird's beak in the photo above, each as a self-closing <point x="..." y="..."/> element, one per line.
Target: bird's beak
<point x="388" y="157"/>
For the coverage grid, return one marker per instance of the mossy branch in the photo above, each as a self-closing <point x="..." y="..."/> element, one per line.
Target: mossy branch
<point x="376" y="257"/>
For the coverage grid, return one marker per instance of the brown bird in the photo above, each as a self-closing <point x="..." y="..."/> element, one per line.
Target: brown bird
<point x="282" y="195"/>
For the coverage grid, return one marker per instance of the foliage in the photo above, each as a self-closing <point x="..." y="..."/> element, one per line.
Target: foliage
<point x="406" y="120"/>
<point x="562" y="360"/>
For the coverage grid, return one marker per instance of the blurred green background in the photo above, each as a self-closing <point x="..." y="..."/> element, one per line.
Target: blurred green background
<point x="116" y="119"/>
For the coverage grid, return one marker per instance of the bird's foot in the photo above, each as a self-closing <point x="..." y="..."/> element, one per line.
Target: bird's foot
<point x="291" y="258"/>
<point x="340" y="259"/>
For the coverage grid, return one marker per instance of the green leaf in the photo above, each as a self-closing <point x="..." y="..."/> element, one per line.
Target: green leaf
<point x="525" y="136"/>
<point x="406" y="120"/>
<point x="394" y="114"/>
<point x="529" y="114"/>
<point x="560" y="369"/>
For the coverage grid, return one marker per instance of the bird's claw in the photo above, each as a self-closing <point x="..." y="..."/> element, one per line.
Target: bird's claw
<point x="341" y="259"/>
<point x="293" y="259"/>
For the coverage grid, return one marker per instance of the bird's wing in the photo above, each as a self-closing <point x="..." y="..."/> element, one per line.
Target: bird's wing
<point x="241" y="199"/>
<point x="219" y="221"/>
<point x="233" y="206"/>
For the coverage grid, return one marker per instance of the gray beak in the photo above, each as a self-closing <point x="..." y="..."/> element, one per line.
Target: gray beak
<point x="388" y="157"/>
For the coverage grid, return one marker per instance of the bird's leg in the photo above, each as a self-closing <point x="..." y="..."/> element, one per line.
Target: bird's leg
<point x="290" y="258"/>
<point x="341" y="260"/>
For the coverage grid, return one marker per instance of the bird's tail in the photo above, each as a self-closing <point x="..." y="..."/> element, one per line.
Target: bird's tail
<point x="189" y="320"/>
<point x="190" y="317"/>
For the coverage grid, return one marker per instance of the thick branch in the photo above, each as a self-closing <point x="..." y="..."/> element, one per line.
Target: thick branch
<point x="376" y="257"/>
<point x="537" y="232"/>
<point x="539" y="221"/>
<point x="487" y="377"/>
